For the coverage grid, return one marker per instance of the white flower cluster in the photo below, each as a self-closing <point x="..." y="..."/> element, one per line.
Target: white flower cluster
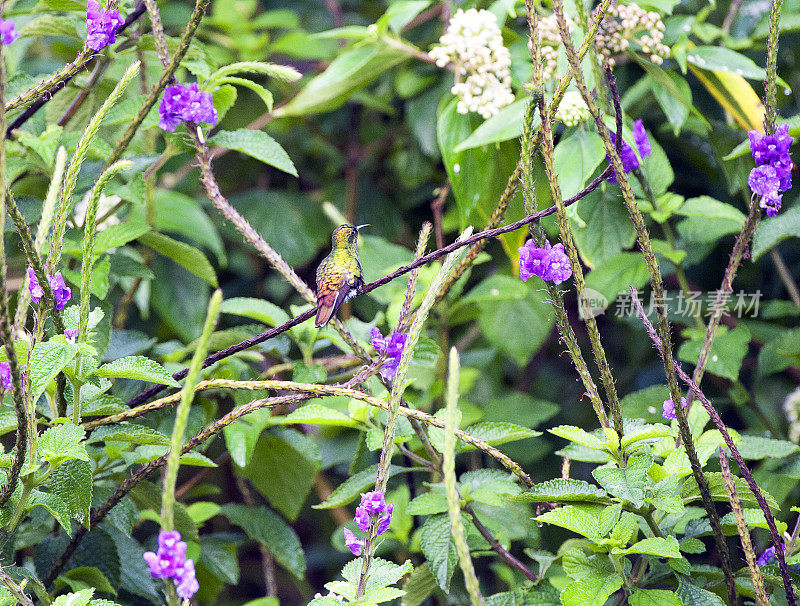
<point x="791" y="406"/>
<point x="572" y="110"/>
<point x="473" y="44"/>
<point x="624" y="24"/>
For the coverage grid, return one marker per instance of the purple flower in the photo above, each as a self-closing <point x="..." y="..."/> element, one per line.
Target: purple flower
<point x="101" y="26"/>
<point x="61" y="291"/>
<point x="33" y="286"/>
<point x="170" y="557"/>
<point x="393" y="347"/>
<point x="373" y="504"/>
<point x="186" y="584"/>
<point x="771" y="203"/>
<point x="71" y="334"/>
<point x="185" y="103"/>
<point x="356" y="546"/>
<point x="8" y="33"/>
<point x="5" y="376"/>
<point x="763" y="180"/>
<point x="669" y="408"/>
<point x="768" y="554"/>
<point x="550" y="263"/>
<point x="774" y="150"/>
<point x="630" y="160"/>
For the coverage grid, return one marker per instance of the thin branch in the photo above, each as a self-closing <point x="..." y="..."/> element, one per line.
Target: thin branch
<point x="506" y="555"/>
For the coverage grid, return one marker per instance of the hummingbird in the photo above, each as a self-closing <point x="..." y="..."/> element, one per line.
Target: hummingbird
<point x="339" y="276"/>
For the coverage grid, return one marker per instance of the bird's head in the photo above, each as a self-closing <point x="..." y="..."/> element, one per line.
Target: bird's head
<point x="346" y="236"/>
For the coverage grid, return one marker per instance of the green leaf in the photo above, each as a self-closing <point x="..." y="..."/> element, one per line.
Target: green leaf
<point x="82" y="576"/>
<point x="754" y="518"/>
<point x="665" y="495"/>
<point x="774" y="230"/>
<point x="52" y="503"/>
<point x="755" y="448"/>
<point x="419" y="586"/>
<point x="117" y="235"/>
<point x="284" y="486"/>
<point x="351" y="488"/>
<point x="317" y="414"/>
<point x="428" y="503"/>
<point x="242" y="435"/>
<point x="500" y="323"/>
<point x="655" y="546"/>
<point x="80" y="598"/>
<point x="349" y="72"/>
<point x="139" y="368"/>
<point x="654" y="597"/>
<point x="256" y="309"/>
<point x="218" y="556"/>
<point x="608" y="228"/>
<point x="72" y="483"/>
<point x="494" y="433"/>
<point x="399" y="14"/>
<point x="628" y="483"/>
<point x="581" y="519"/>
<point x="382" y="574"/>
<point x="128" y="432"/>
<point x="188" y="257"/>
<point x="479" y="175"/>
<point x="259" y="90"/>
<point x="675" y="101"/>
<point x="256" y="144"/>
<point x="50" y="25"/>
<point x="692" y="595"/>
<point x="439" y="549"/>
<point x="578" y="435"/>
<point x="640" y="435"/>
<point x="690" y="492"/>
<point x="265" y="526"/>
<point x="721" y="59"/>
<point x="576" y="157"/>
<point x="590" y="591"/>
<point x="504" y="125"/>
<point x="47" y="360"/>
<point x="616" y="275"/>
<point x="562" y="490"/>
<point x="61" y="443"/>
<point x="727" y="351"/>
<point x="708" y="219"/>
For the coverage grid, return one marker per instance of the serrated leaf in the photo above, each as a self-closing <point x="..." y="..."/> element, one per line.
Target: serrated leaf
<point x="562" y="490"/>
<point x="628" y="483"/>
<point x="79" y="598"/>
<point x="754" y="518"/>
<point x="128" y="432"/>
<point x="754" y="448"/>
<point x="72" y="483"/>
<point x="494" y="433"/>
<point x="256" y="309"/>
<point x="265" y="526"/>
<point x="189" y="257"/>
<point x="581" y="519"/>
<point x="590" y="591"/>
<point x="439" y="549"/>
<point x="256" y="144"/>
<point x="218" y="556"/>
<point x="692" y="595"/>
<point x="690" y="492"/>
<point x="419" y="586"/>
<point x="351" y="488"/>
<point x="117" y="235"/>
<point x="663" y="547"/>
<point x="578" y="435"/>
<point x="645" y="434"/>
<point x="317" y="414"/>
<point x="654" y="597"/>
<point x="61" y="443"/>
<point x="428" y="503"/>
<point x="54" y="504"/>
<point x="47" y="360"/>
<point x="139" y="368"/>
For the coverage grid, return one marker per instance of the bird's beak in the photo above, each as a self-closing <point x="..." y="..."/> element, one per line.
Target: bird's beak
<point x="360" y="227"/>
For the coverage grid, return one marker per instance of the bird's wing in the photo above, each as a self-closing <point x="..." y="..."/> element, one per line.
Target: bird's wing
<point x="329" y="299"/>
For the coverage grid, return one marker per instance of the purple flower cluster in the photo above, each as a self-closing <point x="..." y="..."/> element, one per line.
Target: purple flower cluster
<point x="373" y="504"/>
<point x="101" y="26"/>
<point x="71" y="334"/>
<point x="393" y="347"/>
<point x="773" y="172"/>
<point x="630" y="160"/>
<point x="768" y="554"/>
<point x="5" y="376"/>
<point x="669" y="408"/>
<point x="185" y="103"/>
<point x="8" y="33"/>
<point x="170" y="563"/>
<point x="550" y="263"/>
<point x="61" y="291"/>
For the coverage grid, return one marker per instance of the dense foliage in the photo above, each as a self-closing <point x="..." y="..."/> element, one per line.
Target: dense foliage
<point x="577" y="385"/>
